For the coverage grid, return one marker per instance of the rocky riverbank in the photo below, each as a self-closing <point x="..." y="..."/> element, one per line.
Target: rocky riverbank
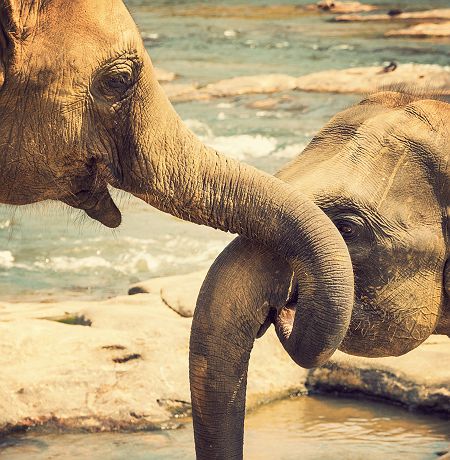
<point x="361" y="80"/>
<point x="441" y="14"/>
<point x="425" y="30"/>
<point x="264" y="12"/>
<point x="122" y="364"/>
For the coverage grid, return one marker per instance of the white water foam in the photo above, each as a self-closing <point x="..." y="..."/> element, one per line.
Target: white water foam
<point x="129" y="256"/>
<point x="6" y="259"/>
<point x="72" y="264"/>
<point x="243" y="147"/>
<point x="5" y="224"/>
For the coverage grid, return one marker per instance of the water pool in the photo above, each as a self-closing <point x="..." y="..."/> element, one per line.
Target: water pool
<point x="310" y="428"/>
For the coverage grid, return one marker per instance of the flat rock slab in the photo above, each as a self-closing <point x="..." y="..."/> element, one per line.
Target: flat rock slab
<point x="179" y="92"/>
<point x="428" y="29"/>
<point x="122" y="364"/>
<point x="436" y="14"/>
<point x="419" y="379"/>
<point x="128" y="370"/>
<point x="179" y="293"/>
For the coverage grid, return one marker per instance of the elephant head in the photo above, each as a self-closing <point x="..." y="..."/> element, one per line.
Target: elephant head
<point x="80" y="109"/>
<point x="380" y="171"/>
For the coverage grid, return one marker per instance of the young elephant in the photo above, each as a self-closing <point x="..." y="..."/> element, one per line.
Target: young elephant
<point x="380" y="171"/>
<point x="80" y="108"/>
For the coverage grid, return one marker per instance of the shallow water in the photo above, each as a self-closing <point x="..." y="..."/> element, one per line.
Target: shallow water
<point x="50" y="252"/>
<point x="309" y="428"/>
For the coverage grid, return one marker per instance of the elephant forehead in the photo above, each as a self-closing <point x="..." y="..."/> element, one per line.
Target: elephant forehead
<point x="389" y="165"/>
<point x="401" y="155"/>
<point x="101" y="21"/>
<point x="71" y="39"/>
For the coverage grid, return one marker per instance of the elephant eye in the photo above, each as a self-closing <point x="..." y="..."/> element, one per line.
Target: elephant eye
<point x="348" y="229"/>
<point x="113" y="84"/>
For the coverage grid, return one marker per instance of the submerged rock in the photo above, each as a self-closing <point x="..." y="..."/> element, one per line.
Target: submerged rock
<point x="396" y="15"/>
<point x="263" y="12"/>
<point x="128" y="370"/>
<point x="285" y="102"/>
<point x="428" y="29"/>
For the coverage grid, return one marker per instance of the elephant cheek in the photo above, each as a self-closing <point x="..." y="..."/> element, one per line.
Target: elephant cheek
<point x="373" y="338"/>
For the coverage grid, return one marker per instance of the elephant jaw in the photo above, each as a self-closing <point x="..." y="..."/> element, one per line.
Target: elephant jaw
<point x="98" y="204"/>
<point x="443" y="326"/>
<point x="373" y="336"/>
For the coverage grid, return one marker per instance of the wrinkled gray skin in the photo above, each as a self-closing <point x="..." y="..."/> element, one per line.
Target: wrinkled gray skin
<point x="380" y="171"/>
<point x="80" y="108"/>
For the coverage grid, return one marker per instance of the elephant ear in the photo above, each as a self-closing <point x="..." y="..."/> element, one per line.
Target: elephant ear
<point x="18" y="18"/>
<point x="5" y="42"/>
<point x="9" y="18"/>
<point x="445" y="328"/>
<point x="447" y="265"/>
<point x="447" y="278"/>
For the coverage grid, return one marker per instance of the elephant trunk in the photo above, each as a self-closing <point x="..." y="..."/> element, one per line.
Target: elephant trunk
<point x="174" y="172"/>
<point x="244" y="284"/>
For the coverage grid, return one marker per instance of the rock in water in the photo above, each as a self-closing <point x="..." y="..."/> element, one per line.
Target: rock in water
<point x="428" y="29"/>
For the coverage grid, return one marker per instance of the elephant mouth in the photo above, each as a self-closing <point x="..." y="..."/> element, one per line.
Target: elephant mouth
<point x="97" y="204"/>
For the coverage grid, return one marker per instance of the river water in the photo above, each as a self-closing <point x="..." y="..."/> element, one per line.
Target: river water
<point x="307" y="428"/>
<point x="51" y="252"/>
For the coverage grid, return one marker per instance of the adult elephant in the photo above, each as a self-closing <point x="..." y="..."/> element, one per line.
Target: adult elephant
<point x="380" y="171"/>
<point x="80" y="108"/>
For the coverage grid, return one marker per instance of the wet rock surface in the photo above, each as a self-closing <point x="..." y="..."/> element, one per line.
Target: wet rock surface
<point x="125" y="367"/>
<point x="128" y="370"/>
<point x="238" y="86"/>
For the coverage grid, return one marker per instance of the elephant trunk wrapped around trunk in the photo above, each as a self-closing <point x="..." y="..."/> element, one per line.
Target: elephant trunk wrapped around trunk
<point x="174" y="172"/>
<point x="73" y="122"/>
<point x="388" y="196"/>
